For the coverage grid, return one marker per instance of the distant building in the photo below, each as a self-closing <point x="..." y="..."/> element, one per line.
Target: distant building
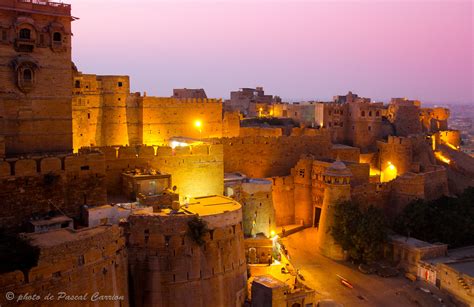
<point x="251" y="102"/>
<point x="186" y="93"/>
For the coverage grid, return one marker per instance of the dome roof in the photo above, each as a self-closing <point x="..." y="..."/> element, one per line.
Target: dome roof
<point x="338" y="168"/>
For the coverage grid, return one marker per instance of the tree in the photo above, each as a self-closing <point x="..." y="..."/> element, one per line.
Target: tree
<point x="197" y="229"/>
<point x="448" y="220"/>
<point x="361" y="232"/>
<point x="16" y="253"/>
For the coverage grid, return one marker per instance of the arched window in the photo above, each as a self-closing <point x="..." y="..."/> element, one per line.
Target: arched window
<point x="27" y="75"/>
<point x="25" y="33"/>
<point x="57" y="37"/>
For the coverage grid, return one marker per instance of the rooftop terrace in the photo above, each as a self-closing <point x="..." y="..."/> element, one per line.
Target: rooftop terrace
<point x="37" y="6"/>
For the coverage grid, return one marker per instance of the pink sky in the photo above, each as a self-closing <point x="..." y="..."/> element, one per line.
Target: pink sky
<point x="295" y="49"/>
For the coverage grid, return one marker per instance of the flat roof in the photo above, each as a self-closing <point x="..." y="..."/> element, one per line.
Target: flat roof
<point x="269" y="281"/>
<point x="465" y="267"/>
<point x="53" y="220"/>
<point x="63" y="235"/>
<point x="413" y="242"/>
<point x="211" y="205"/>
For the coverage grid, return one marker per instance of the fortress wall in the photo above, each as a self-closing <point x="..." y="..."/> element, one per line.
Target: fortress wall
<point x="345" y="153"/>
<point x="397" y="151"/>
<point x="434" y="119"/>
<point x="76" y="262"/>
<point x="195" y="170"/>
<point x="165" y="263"/>
<point x="283" y="200"/>
<point x="37" y="186"/>
<point x="164" y="118"/>
<point x="372" y="194"/>
<point x="231" y="124"/>
<point x="302" y="191"/>
<point x="257" y="203"/>
<point x="448" y="137"/>
<point x="260" y="131"/>
<point x="261" y="157"/>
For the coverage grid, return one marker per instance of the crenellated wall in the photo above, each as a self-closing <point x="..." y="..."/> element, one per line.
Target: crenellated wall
<point x="39" y="185"/>
<point x="168" y="269"/>
<point x="76" y="262"/>
<point x="261" y="157"/>
<point x="196" y="170"/>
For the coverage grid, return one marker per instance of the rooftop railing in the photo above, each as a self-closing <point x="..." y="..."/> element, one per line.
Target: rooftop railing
<point x="40" y="6"/>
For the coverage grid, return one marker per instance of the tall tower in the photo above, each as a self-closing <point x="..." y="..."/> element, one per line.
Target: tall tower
<point x="337" y="189"/>
<point x="35" y="76"/>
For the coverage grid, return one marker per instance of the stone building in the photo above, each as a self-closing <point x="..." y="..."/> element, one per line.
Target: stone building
<point x="251" y="102"/>
<point x="186" y="93"/>
<point x="84" y="263"/>
<point x="35" y="76"/>
<point x="337" y="178"/>
<point x="105" y="113"/>
<point x="168" y="268"/>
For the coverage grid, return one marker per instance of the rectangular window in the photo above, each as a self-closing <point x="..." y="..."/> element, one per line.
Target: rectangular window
<point x="4" y="35"/>
<point x="88" y="115"/>
<point x="120" y="84"/>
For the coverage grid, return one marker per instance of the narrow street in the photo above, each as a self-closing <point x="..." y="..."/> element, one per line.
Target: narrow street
<point x="320" y="273"/>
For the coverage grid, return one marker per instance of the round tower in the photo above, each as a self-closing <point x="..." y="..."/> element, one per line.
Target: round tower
<point x="337" y="189"/>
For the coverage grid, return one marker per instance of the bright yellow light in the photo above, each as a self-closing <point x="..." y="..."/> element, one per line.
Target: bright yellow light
<point x="198" y="124"/>
<point x="389" y="173"/>
<point x="261" y="109"/>
<point x="442" y="158"/>
<point x="175" y="144"/>
<point x="452" y="146"/>
<point x="272" y="233"/>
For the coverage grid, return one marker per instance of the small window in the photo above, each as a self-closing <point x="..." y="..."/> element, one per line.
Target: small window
<point x="377" y="113"/>
<point x="370" y="128"/>
<point x="57" y="274"/>
<point x="27" y="75"/>
<point x="41" y="39"/>
<point x="85" y="168"/>
<point x="25" y="33"/>
<point x="57" y="37"/>
<point x="88" y="115"/>
<point x="120" y="84"/>
<point x="80" y="260"/>
<point x="370" y="113"/>
<point x="362" y="113"/>
<point x="77" y="84"/>
<point x="4" y="35"/>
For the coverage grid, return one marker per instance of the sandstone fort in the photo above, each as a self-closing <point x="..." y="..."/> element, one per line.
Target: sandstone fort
<point x="167" y="201"/>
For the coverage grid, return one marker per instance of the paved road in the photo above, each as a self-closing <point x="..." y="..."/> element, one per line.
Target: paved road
<point x="320" y="274"/>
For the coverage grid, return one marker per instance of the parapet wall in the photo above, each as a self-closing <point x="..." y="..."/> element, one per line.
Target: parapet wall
<point x="87" y="261"/>
<point x="196" y="170"/>
<point x="262" y="157"/>
<point x="37" y="186"/>
<point x="169" y="269"/>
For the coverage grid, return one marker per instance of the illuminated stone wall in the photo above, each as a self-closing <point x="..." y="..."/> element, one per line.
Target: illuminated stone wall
<point x="105" y="113"/>
<point x="195" y="170"/>
<point x="35" y="112"/>
<point x="77" y="262"/>
<point x="37" y="186"/>
<point x="169" y="269"/>
<point x="261" y="157"/>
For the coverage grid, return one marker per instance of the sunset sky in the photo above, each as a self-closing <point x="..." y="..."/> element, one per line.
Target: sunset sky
<point x="295" y="49"/>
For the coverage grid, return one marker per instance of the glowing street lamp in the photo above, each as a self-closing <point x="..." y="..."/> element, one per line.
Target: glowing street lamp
<point x="198" y="125"/>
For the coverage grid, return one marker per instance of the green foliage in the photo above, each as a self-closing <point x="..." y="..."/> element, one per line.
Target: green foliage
<point x="361" y="232"/>
<point x="197" y="229"/>
<point x="16" y="253"/>
<point x="448" y="220"/>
